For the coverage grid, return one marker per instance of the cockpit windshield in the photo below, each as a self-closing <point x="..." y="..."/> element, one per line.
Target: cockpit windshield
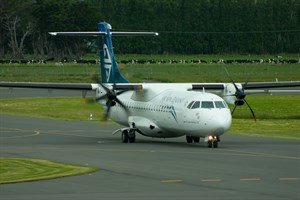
<point x="219" y="104"/>
<point x="190" y="104"/>
<point x="207" y="104"/>
<point x="196" y="105"/>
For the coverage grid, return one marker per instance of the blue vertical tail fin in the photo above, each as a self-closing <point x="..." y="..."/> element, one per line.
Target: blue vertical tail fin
<point x="110" y="72"/>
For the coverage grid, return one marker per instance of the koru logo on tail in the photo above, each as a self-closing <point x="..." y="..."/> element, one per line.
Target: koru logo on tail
<point x="107" y="62"/>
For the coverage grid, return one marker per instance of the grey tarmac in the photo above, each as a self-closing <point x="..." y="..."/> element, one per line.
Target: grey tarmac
<point x="241" y="168"/>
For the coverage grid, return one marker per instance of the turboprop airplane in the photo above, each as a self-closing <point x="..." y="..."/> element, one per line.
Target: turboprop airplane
<point x="160" y="110"/>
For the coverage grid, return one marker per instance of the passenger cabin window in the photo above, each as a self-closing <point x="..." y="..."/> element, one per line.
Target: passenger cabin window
<point x="196" y="105"/>
<point x="219" y="104"/>
<point x="207" y="104"/>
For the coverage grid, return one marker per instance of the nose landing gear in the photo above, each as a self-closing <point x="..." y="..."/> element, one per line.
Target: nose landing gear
<point x="212" y="141"/>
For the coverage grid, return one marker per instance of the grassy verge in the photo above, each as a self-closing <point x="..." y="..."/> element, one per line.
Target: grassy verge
<point x="13" y="170"/>
<point x="158" y="72"/>
<point x="277" y="128"/>
<point x="278" y="116"/>
<point x="73" y="108"/>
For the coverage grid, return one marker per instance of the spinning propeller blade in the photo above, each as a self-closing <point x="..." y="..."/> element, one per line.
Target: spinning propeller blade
<point x="240" y="95"/>
<point x="112" y="98"/>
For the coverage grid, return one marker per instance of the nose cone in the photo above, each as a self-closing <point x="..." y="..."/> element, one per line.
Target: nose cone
<point x="221" y="122"/>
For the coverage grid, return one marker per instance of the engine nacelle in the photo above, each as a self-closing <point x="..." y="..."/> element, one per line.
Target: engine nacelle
<point x="229" y="93"/>
<point x="239" y="102"/>
<point x="100" y="92"/>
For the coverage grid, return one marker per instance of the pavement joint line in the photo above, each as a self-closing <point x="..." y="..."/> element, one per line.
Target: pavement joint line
<point x="219" y="180"/>
<point x="211" y="180"/>
<point x="35" y="133"/>
<point x="289" y="179"/>
<point x="249" y="153"/>
<point x="171" y="181"/>
<point x="250" y="179"/>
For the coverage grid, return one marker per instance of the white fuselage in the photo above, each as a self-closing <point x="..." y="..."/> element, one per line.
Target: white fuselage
<point x="161" y="111"/>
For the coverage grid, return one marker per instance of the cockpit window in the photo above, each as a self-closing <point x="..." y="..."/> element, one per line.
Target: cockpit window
<point x="207" y="104"/>
<point x="219" y="104"/>
<point x="225" y="104"/>
<point x="196" y="105"/>
<point x="190" y="104"/>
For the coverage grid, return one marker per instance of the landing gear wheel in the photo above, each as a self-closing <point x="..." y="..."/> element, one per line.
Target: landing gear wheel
<point x="215" y="144"/>
<point x="189" y="139"/>
<point x="125" y="137"/>
<point x="131" y="136"/>
<point x="196" y="139"/>
<point x="210" y="143"/>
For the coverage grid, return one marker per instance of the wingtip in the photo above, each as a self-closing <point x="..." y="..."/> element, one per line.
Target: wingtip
<point x="52" y="33"/>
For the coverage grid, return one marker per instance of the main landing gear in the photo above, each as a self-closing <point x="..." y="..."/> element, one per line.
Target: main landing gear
<point x="128" y="136"/>
<point x="191" y="139"/>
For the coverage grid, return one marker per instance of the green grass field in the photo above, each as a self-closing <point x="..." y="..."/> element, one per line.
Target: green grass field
<point x="271" y="111"/>
<point x="160" y="73"/>
<point x="277" y="116"/>
<point x="70" y="72"/>
<point x="14" y="170"/>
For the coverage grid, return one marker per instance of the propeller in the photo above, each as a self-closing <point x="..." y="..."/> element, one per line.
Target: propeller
<point x="240" y="95"/>
<point x="112" y="98"/>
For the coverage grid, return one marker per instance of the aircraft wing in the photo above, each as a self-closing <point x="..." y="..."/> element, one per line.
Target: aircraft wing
<point x="283" y="87"/>
<point x="43" y="85"/>
<point x="67" y="86"/>
<point x="264" y="85"/>
<point x="218" y="88"/>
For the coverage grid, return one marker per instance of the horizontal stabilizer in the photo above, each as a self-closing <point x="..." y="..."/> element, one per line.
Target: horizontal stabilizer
<point x="95" y="33"/>
<point x="99" y="33"/>
<point x="134" y="33"/>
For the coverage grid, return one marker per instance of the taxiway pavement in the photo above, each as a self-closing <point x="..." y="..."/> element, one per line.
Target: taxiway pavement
<point x="241" y="168"/>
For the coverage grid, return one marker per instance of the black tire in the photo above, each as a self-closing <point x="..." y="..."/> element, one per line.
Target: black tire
<point x="131" y="137"/>
<point x="196" y="139"/>
<point x="189" y="139"/>
<point x="215" y="144"/>
<point x="209" y="144"/>
<point x="125" y="137"/>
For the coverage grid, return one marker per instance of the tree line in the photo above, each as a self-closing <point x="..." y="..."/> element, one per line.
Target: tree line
<point x="185" y="26"/>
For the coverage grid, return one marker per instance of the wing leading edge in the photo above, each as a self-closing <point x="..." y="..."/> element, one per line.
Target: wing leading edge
<point x="67" y="86"/>
<point x="37" y="85"/>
